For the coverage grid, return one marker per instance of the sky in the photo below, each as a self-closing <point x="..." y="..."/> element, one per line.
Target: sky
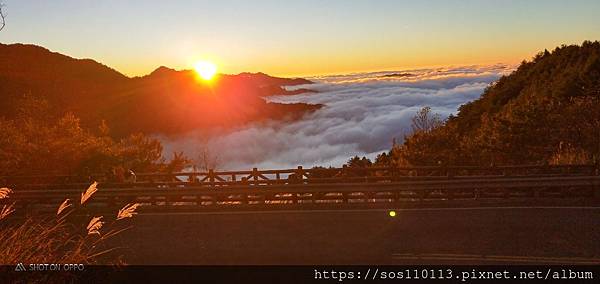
<point x="299" y="38"/>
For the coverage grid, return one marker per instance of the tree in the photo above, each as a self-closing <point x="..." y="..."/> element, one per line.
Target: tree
<point x="425" y="121"/>
<point x="357" y="162"/>
<point x="2" y="17"/>
<point x="177" y="163"/>
<point x="383" y="160"/>
<point x="357" y="167"/>
<point x="207" y="160"/>
<point x="323" y="172"/>
<point x="35" y="142"/>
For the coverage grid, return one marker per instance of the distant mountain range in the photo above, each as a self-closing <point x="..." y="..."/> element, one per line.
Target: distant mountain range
<point x="165" y="101"/>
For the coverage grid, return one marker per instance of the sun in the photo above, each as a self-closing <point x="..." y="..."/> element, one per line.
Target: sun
<point x="205" y="69"/>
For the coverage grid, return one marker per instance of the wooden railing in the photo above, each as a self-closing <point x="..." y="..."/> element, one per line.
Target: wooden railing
<point x="299" y="175"/>
<point x="316" y="188"/>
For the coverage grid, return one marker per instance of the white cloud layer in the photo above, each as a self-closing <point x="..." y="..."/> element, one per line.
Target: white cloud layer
<point x="363" y="112"/>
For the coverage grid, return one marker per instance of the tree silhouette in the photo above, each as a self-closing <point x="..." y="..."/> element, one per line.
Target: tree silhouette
<point x="425" y="120"/>
<point x="2" y="17"/>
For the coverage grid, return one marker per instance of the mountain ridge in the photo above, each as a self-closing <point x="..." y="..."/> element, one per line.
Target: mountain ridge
<point x="164" y="101"/>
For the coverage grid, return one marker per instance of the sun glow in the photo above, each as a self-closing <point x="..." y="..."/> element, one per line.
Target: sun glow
<point x="205" y="69"/>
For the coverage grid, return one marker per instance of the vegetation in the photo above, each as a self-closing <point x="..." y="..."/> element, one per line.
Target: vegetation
<point x="38" y="142"/>
<point x="71" y="236"/>
<point x="547" y="111"/>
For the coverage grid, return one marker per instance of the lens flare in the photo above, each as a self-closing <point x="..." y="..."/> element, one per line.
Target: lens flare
<point x="205" y="69"/>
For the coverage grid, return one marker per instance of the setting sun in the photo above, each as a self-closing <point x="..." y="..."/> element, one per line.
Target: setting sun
<point x="205" y="69"/>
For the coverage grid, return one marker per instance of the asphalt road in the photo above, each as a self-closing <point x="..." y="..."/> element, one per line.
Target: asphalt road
<point x="413" y="236"/>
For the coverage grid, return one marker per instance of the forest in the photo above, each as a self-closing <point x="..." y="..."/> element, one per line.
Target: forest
<point x="545" y="112"/>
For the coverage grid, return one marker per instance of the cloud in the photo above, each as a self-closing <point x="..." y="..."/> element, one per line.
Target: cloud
<point x="363" y="112"/>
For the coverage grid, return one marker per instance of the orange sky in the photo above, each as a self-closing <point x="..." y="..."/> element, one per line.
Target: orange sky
<point x="299" y="38"/>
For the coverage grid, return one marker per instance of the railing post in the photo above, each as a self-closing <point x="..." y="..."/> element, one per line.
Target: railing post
<point x="300" y="174"/>
<point x="211" y="177"/>
<point x="255" y="175"/>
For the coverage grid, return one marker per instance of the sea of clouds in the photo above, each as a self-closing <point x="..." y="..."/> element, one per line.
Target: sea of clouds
<point x="362" y="114"/>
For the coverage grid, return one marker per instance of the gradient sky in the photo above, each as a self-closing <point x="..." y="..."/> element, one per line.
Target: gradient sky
<point x="282" y="37"/>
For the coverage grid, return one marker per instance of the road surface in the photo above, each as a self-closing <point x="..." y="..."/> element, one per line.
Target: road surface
<point x="414" y="236"/>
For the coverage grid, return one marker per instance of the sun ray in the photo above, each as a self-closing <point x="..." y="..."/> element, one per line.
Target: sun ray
<point x="205" y="69"/>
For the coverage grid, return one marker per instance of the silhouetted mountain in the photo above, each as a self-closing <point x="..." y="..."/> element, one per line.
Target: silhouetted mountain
<point x="164" y="101"/>
<point x="162" y="71"/>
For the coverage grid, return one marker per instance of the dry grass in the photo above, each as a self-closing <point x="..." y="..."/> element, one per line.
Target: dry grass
<point x="4" y="192"/>
<point x="95" y="225"/>
<point x="63" y="238"/>
<point x="6" y="210"/>
<point x="42" y="241"/>
<point x="89" y="192"/>
<point x="128" y="211"/>
<point x="63" y="206"/>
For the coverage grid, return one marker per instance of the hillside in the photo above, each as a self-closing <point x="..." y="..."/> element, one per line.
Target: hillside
<point x="166" y="100"/>
<point x="547" y="111"/>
